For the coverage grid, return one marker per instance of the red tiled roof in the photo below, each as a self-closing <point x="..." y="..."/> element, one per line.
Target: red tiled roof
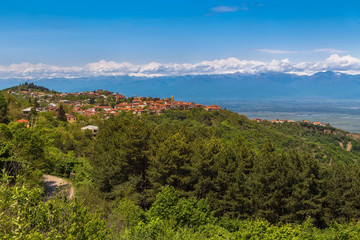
<point x="23" y="121"/>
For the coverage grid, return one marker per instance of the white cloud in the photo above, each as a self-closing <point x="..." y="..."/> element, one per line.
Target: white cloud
<point x="328" y="50"/>
<point x="345" y="64"/>
<point x="225" y="9"/>
<point x="275" y="51"/>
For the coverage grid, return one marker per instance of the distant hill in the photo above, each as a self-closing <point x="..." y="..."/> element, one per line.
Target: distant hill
<point x="210" y="88"/>
<point x="29" y="87"/>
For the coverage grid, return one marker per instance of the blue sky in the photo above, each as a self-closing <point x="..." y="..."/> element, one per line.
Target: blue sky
<point x="77" y="32"/>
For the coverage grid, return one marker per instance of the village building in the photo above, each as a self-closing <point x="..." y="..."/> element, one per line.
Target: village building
<point x="213" y="108"/>
<point x="138" y="112"/>
<point x="52" y="109"/>
<point x="119" y="97"/>
<point x="93" y="129"/>
<point x="26" y="111"/>
<point x="319" y="124"/>
<point x="154" y="110"/>
<point x="24" y="121"/>
<point x="197" y="105"/>
<point x="70" y="118"/>
<point x="112" y="111"/>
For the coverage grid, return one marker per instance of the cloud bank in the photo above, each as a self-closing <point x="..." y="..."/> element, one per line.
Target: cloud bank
<point x="345" y="64"/>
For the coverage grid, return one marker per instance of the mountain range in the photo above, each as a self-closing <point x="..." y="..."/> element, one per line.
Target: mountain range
<point x="215" y="88"/>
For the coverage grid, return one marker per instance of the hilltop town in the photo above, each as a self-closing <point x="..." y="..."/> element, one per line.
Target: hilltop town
<point x="103" y="103"/>
<point x="99" y="102"/>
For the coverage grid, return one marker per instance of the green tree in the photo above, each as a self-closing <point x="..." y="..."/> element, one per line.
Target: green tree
<point x="109" y="159"/>
<point x="4" y="118"/>
<point x="171" y="163"/>
<point x="61" y="114"/>
<point x="341" y="184"/>
<point x="234" y="181"/>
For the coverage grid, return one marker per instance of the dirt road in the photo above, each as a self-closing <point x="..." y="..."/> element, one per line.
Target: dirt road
<point x="54" y="185"/>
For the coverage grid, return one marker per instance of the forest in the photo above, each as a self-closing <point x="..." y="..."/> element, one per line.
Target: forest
<point x="181" y="175"/>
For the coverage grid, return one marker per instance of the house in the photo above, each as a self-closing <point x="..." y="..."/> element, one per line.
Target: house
<point x="319" y="124"/>
<point x="93" y="129"/>
<point x="52" y="109"/>
<point x="119" y="97"/>
<point x="27" y="110"/>
<point x="155" y="110"/>
<point x="168" y="106"/>
<point x="199" y="105"/>
<point x="138" y="111"/>
<point x="257" y="119"/>
<point x="105" y="108"/>
<point x="213" y="107"/>
<point x="122" y="105"/>
<point x="112" y="111"/>
<point x="184" y="105"/>
<point x="70" y="118"/>
<point x="24" y="121"/>
<point x="125" y="109"/>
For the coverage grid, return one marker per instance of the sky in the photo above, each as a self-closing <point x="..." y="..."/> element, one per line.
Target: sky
<point x="162" y="37"/>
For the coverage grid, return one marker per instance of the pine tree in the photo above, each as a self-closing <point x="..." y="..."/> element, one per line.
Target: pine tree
<point x="61" y="114"/>
<point x="4" y="118"/>
<point x="109" y="162"/>
<point x="170" y="166"/>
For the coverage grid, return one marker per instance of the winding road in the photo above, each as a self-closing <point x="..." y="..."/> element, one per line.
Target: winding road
<point x="55" y="185"/>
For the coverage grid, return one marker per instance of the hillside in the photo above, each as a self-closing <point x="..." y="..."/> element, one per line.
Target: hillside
<point x="184" y="173"/>
<point x="28" y="87"/>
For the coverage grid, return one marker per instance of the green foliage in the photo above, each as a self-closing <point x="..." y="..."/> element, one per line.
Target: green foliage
<point x="125" y="215"/>
<point x="14" y="106"/>
<point x="24" y="215"/>
<point x="182" y="175"/>
<point x="180" y="212"/>
<point x="5" y="141"/>
<point x="184" y="223"/>
<point x="30" y="86"/>
<point x="4" y="118"/>
<point x="61" y="114"/>
<point x="165" y="204"/>
<point x="170" y="164"/>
